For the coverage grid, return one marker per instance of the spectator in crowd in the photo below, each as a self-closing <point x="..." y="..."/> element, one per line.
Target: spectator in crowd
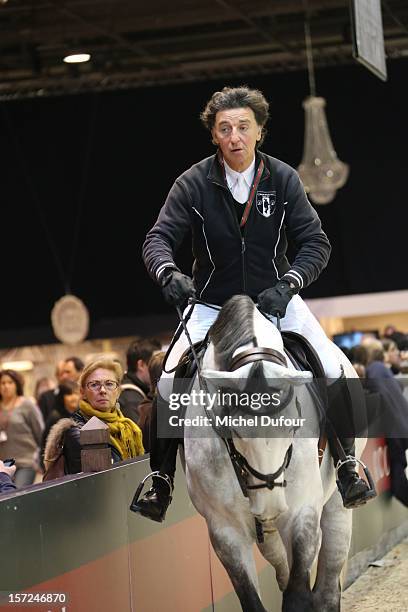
<point x="402" y="376"/>
<point x="6" y="474"/>
<point x="66" y="403"/>
<point x="42" y="385"/>
<point x="392" y="357"/>
<point x="21" y="427"/>
<point x="136" y="382"/>
<point x="358" y="357"/>
<point x="145" y="407"/>
<point x="46" y="398"/>
<point x="394" y="424"/>
<point x="99" y="390"/>
<point x="68" y="369"/>
<point x="400" y="339"/>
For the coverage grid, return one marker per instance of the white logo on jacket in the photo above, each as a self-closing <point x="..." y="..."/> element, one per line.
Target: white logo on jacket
<point x="265" y="203"/>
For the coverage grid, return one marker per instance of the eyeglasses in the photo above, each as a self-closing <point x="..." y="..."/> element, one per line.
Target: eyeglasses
<point x="96" y="385"/>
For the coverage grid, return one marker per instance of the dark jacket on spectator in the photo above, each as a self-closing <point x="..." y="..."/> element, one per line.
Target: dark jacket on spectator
<point x="47" y="402"/>
<point x="145" y="415"/>
<point x="394" y="424"/>
<point x="6" y="484"/>
<point x="394" y="407"/>
<point x="130" y="398"/>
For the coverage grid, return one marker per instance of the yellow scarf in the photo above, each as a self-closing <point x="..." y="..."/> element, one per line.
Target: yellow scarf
<point x="125" y="435"/>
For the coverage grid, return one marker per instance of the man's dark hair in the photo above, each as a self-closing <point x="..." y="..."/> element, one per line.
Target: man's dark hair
<point x="155" y="368"/>
<point x="78" y="363"/>
<point x="237" y="97"/>
<point x="141" y="349"/>
<point x="68" y="388"/>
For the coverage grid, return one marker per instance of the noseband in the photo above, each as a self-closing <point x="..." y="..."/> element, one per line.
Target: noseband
<point x="243" y="469"/>
<point x="241" y="466"/>
<point x="257" y="353"/>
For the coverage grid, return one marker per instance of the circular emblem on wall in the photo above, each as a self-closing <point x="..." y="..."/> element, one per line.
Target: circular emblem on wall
<point x="70" y="319"/>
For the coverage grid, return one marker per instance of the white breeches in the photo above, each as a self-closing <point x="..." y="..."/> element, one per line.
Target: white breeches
<point x="298" y="319"/>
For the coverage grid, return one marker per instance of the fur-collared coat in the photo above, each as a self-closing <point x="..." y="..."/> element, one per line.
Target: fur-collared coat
<point x="65" y="435"/>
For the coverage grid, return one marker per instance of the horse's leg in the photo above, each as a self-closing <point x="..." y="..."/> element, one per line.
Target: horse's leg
<point x="305" y="534"/>
<point x="234" y="549"/>
<point x="273" y="550"/>
<point x="336" y="523"/>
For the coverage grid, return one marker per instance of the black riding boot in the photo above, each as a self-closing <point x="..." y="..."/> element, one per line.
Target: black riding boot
<point x="163" y="456"/>
<point x="354" y="490"/>
<point x="155" y="502"/>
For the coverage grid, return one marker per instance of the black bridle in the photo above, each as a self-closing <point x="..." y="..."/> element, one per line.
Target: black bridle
<point x="240" y="464"/>
<point x="243" y="470"/>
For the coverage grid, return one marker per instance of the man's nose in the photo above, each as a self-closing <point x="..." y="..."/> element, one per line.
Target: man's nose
<point x="234" y="135"/>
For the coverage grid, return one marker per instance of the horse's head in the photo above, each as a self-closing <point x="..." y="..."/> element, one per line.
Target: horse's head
<point x="246" y="357"/>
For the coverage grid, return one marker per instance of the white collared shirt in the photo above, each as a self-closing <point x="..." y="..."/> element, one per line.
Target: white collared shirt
<point x="240" y="183"/>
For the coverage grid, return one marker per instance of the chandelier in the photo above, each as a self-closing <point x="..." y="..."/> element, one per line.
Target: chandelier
<point x="320" y="170"/>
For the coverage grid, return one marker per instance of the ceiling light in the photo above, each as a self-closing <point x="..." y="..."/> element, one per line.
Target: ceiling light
<point x="320" y="170"/>
<point x="77" y="58"/>
<point x="18" y="366"/>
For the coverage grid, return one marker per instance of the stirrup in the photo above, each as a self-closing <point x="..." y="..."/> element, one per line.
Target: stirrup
<point x="156" y="474"/>
<point x="371" y="490"/>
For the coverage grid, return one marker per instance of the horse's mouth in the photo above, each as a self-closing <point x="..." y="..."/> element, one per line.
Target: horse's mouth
<point x="266" y="521"/>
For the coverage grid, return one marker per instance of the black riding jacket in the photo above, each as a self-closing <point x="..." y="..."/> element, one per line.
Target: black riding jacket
<point x="229" y="261"/>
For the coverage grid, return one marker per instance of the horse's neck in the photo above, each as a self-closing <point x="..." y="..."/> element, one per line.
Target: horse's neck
<point x="209" y="357"/>
<point x="266" y="333"/>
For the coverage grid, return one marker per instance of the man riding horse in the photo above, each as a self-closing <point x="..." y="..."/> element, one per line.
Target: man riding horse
<point x="243" y="207"/>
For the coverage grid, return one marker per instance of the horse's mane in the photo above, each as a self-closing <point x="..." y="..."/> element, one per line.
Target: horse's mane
<point x="233" y="328"/>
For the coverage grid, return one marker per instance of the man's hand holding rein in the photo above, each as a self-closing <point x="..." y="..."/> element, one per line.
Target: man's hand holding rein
<point x="275" y="300"/>
<point x="176" y="287"/>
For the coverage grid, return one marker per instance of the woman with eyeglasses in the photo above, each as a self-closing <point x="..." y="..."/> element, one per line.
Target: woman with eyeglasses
<point x="99" y="391"/>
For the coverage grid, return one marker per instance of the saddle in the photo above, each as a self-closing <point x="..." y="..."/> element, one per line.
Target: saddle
<point x="304" y="357"/>
<point x="187" y="366"/>
<point x="299" y="350"/>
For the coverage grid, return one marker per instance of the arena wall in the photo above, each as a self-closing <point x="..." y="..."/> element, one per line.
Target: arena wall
<point x="77" y="536"/>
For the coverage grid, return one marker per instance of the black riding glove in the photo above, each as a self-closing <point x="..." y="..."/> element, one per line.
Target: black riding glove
<point x="275" y="300"/>
<point x="177" y="287"/>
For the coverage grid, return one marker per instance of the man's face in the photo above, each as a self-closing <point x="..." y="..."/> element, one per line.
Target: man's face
<point x="69" y="372"/>
<point x="236" y="132"/>
<point x="142" y="372"/>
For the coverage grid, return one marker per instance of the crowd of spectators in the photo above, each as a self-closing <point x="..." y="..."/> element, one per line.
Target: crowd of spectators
<point x="32" y="427"/>
<point x="60" y="407"/>
<point x="382" y="365"/>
